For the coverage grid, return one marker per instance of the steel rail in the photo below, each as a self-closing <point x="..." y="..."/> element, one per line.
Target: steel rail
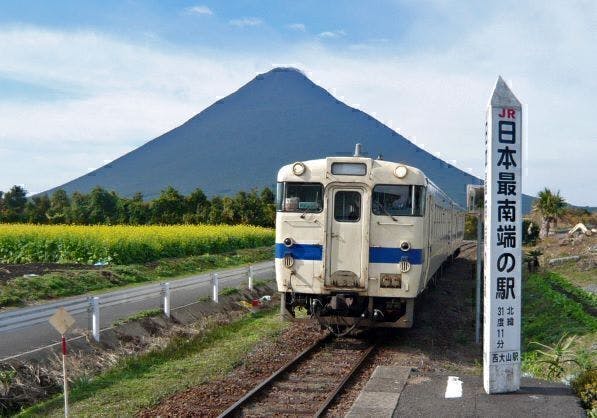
<point x="230" y="411"/>
<point x="249" y="395"/>
<point x="341" y="385"/>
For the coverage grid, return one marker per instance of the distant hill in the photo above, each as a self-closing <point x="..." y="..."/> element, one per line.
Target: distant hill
<point x="240" y="142"/>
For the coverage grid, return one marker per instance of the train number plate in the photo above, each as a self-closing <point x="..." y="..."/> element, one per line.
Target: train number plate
<point x="390" y="280"/>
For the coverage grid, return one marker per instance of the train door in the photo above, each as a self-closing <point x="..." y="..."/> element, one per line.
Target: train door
<point x="346" y="238"/>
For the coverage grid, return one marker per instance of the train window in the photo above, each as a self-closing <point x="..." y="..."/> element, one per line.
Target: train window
<point x="347" y="206"/>
<point x="398" y="200"/>
<point x="299" y="197"/>
<point x="349" y="169"/>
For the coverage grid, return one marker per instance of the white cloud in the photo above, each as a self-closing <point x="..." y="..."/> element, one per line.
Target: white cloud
<point x="246" y="21"/>
<point x="332" y="34"/>
<point x="128" y="93"/>
<point x="200" y="10"/>
<point x="297" y="26"/>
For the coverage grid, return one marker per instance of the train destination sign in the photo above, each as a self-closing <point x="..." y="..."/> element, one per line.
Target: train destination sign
<point x="503" y="241"/>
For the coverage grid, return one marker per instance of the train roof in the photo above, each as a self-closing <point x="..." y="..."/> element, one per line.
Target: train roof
<point x="377" y="170"/>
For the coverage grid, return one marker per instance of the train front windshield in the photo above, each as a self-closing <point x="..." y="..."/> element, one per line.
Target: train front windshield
<point x="398" y="200"/>
<point x="299" y="197"/>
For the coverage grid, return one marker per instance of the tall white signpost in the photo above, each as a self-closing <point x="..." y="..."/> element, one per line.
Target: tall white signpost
<point x="503" y="240"/>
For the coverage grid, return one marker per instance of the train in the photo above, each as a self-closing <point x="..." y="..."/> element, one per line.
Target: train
<point x="359" y="239"/>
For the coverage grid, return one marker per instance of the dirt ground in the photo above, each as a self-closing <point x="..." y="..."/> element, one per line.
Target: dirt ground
<point x="11" y="271"/>
<point x="441" y="340"/>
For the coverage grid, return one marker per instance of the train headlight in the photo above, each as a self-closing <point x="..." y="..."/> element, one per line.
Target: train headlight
<point x="289" y="242"/>
<point x="288" y="261"/>
<point x="405" y="245"/>
<point x="298" y="169"/>
<point x="400" y="171"/>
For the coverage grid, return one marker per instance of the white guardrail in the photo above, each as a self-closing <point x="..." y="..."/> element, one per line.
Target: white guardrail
<point x="25" y="317"/>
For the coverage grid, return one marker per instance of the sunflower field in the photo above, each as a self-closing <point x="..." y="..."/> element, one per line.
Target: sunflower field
<point x="122" y="244"/>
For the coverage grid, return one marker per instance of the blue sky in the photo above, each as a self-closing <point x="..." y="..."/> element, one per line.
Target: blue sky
<point x="81" y="83"/>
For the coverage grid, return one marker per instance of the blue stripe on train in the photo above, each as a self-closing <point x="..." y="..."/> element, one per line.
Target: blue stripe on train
<point x="395" y="255"/>
<point x="300" y="251"/>
<point x="314" y="252"/>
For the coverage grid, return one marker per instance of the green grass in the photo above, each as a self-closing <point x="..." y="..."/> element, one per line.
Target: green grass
<point x="585" y="298"/>
<point x="573" y="274"/>
<point x="142" y="381"/>
<point x="548" y="314"/>
<point x="22" y="290"/>
<point x="140" y="315"/>
<point x="227" y="291"/>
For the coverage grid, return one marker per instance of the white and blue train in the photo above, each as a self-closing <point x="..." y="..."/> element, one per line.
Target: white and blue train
<point x="358" y="239"/>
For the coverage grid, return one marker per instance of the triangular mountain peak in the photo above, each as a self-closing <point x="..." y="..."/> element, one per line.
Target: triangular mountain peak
<point x="241" y="141"/>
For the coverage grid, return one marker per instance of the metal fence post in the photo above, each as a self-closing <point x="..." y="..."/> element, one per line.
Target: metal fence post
<point x="166" y="298"/>
<point x="94" y="312"/>
<point x="215" y="285"/>
<point x="251" y="278"/>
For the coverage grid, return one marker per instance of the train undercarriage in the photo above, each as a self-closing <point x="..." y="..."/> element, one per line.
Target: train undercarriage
<point x="343" y="312"/>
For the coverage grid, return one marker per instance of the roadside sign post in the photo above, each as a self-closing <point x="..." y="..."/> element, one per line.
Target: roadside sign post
<point x="503" y="240"/>
<point x="62" y="321"/>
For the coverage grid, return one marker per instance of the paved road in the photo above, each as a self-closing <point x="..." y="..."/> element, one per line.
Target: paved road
<point x="40" y="335"/>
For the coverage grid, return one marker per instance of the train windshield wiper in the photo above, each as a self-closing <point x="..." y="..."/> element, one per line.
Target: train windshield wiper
<point x="388" y="213"/>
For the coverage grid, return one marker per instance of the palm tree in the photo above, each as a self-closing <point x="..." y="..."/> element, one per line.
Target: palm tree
<point x="551" y="207"/>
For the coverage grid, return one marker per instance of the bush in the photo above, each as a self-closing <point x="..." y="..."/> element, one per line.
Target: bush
<point x="470" y="227"/>
<point x="585" y="386"/>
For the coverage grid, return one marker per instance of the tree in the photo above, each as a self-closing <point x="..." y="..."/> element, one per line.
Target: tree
<point x="59" y="211"/>
<point x="215" y="211"/>
<point x="550" y="207"/>
<point x="102" y="206"/>
<point x="168" y="208"/>
<point x="79" y="208"/>
<point x="228" y="210"/>
<point x="14" y="204"/>
<point x="198" y="207"/>
<point x="268" y="207"/>
<point x="36" y="209"/>
<point x="138" y="210"/>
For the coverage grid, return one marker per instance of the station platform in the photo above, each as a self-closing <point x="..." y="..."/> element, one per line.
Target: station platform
<point x="401" y="392"/>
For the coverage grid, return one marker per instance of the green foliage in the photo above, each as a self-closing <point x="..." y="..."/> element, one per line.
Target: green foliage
<point x="585" y="386"/>
<point x="228" y="291"/>
<point x="551" y="207"/>
<point x="7" y="378"/>
<point x="148" y="313"/>
<point x="587" y="299"/>
<point x="548" y="317"/>
<point x="68" y="283"/>
<point x="12" y="205"/>
<point x="171" y="207"/>
<point x="470" y="227"/>
<point x="557" y="356"/>
<point x="563" y="316"/>
<point x="138" y="382"/>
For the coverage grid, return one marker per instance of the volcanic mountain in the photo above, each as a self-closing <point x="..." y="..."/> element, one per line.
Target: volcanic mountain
<point x="241" y="141"/>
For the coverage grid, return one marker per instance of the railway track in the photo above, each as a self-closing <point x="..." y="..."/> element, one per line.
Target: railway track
<point x="307" y="385"/>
